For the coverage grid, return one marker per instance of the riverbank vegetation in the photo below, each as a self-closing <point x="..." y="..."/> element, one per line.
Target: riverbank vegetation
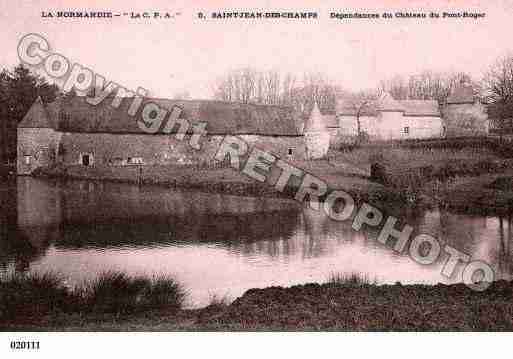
<point x="352" y="279"/>
<point x="116" y="302"/>
<point x="33" y="297"/>
<point x="441" y="172"/>
<point x="388" y="175"/>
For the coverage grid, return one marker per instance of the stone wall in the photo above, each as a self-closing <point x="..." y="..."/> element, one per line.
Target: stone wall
<point x="467" y="119"/>
<point x="37" y="147"/>
<point x="390" y="125"/>
<point x="291" y="148"/>
<point x="115" y="149"/>
<point x="418" y="127"/>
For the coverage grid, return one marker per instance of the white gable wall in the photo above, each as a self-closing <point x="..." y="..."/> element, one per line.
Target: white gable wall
<point x="425" y="126"/>
<point x="370" y="124"/>
<point x="391" y="125"/>
<point x="397" y="126"/>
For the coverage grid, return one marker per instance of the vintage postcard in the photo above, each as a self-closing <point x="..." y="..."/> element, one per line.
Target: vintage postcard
<point x="261" y="166"/>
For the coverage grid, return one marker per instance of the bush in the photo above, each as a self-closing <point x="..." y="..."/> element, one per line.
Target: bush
<point x="25" y="296"/>
<point x="218" y="302"/>
<point x="116" y="292"/>
<point x="349" y="280"/>
<point x="165" y="292"/>
<point x="31" y="297"/>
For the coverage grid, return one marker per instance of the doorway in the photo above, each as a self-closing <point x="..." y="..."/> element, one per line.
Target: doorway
<point x="86" y="160"/>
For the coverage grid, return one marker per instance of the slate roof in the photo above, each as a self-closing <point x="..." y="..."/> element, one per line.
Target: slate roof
<point x="420" y="107"/>
<point x="387" y="103"/>
<point x="464" y="93"/>
<point x="348" y="111"/>
<point x="37" y="116"/>
<point x="315" y="122"/>
<point x="344" y="108"/>
<point x="76" y="115"/>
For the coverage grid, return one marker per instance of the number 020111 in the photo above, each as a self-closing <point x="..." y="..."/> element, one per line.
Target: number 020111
<point x="20" y="345"/>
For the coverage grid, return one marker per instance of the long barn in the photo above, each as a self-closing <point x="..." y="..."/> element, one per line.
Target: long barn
<point x="70" y="131"/>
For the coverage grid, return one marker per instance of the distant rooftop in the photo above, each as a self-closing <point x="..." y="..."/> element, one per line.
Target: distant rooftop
<point x="420" y="107"/>
<point x="464" y="93"/>
<point x="388" y="103"/>
<point x="76" y="115"/>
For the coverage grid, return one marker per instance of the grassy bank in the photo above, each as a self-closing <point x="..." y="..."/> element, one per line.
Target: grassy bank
<point x="487" y="194"/>
<point x="457" y="175"/>
<point x="213" y="180"/>
<point x="343" y="303"/>
<point x="415" y="174"/>
<point x="28" y="299"/>
<point x="229" y="181"/>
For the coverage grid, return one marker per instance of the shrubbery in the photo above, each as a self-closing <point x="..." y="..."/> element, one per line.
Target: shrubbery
<point x="32" y="296"/>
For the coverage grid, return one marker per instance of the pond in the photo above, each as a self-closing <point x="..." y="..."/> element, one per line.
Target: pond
<point x="214" y="244"/>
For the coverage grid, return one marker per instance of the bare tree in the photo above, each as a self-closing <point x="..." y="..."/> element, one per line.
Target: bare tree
<point x="237" y="85"/>
<point x="288" y="86"/>
<point x="361" y="102"/>
<point x="315" y="88"/>
<point x="426" y="85"/>
<point x="498" y="84"/>
<point x="247" y="85"/>
<point x="223" y="88"/>
<point x="397" y="87"/>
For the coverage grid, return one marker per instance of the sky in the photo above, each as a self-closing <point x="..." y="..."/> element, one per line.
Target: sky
<point x="187" y="54"/>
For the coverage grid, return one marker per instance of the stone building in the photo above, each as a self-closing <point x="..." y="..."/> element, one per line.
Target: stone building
<point x="463" y="114"/>
<point x="38" y="138"/>
<point x="389" y="119"/>
<point x="317" y="135"/>
<point x="70" y="131"/>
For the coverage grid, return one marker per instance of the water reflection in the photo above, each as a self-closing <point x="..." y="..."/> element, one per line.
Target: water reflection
<point x="214" y="243"/>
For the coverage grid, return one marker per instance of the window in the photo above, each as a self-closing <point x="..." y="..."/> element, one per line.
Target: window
<point x="406" y="130"/>
<point x="86" y="159"/>
<point x="134" y="160"/>
<point x="27" y="160"/>
<point x="290" y="151"/>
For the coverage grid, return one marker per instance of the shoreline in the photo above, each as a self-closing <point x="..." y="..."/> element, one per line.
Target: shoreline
<point x="467" y="194"/>
<point x="232" y="182"/>
<point x="311" y="307"/>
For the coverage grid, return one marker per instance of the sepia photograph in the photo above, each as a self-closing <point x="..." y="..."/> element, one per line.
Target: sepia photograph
<point x="174" y="167"/>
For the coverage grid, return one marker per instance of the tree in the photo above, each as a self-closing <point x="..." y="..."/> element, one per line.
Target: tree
<point x="361" y="102"/>
<point x="270" y="87"/>
<point x="426" y="85"/>
<point x="4" y="78"/>
<point x="315" y="88"/>
<point x="498" y="84"/>
<point x="19" y="90"/>
<point x="237" y="85"/>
